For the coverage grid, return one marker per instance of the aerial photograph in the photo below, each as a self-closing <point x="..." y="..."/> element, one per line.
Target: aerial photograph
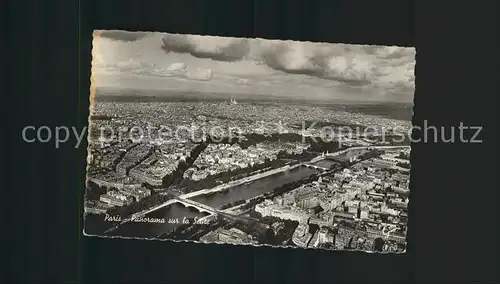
<point x="249" y="141"/>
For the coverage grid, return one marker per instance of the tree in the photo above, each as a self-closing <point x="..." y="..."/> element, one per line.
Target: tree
<point x="269" y="237"/>
<point x="378" y="244"/>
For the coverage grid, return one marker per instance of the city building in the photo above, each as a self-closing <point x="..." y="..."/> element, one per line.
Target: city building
<point x="301" y="235"/>
<point x="231" y="236"/>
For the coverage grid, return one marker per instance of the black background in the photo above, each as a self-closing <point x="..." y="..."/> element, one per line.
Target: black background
<point x="453" y="207"/>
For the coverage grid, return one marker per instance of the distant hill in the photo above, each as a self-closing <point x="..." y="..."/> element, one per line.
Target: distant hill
<point x="394" y="110"/>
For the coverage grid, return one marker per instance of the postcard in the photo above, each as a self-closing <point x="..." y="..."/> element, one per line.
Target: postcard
<point x="249" y="141"/>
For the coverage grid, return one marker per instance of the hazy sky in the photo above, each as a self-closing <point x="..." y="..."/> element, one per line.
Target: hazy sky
<point x="253" y="66"/>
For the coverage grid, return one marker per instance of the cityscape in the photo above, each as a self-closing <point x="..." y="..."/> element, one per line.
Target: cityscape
<point x="212" y="140"/>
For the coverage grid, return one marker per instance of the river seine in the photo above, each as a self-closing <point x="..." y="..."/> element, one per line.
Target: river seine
<point x="177" y="211"/>
<point x="257" y="187"/>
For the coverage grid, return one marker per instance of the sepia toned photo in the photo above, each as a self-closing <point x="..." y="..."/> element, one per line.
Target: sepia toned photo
<point x="249" y="141"/>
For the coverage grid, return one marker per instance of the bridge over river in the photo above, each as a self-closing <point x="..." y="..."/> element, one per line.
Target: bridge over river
<point x="186" y="201"/>
<point x="335" y="154"/>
